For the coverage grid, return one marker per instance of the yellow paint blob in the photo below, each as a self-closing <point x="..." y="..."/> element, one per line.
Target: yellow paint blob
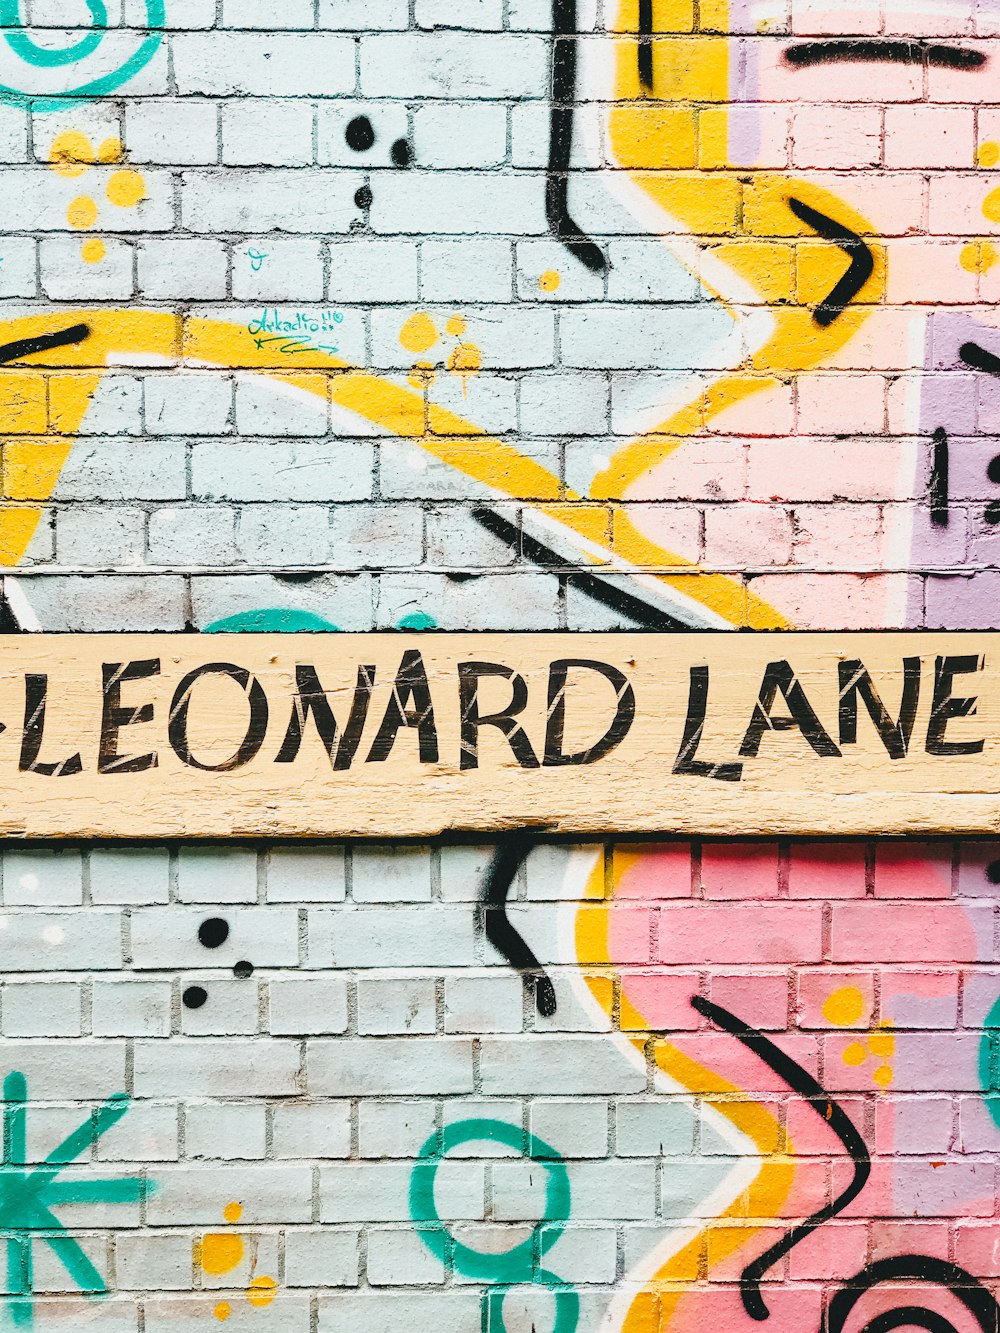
<point x="93" y="250"/>
<point x="882" y="1076"/>
<point x="82" y="212"/>
<point x="456" y="326"/>
<point x="71" y="154"/>
<point x="126" y="189"/>
<point x="233" y="1212"/>
<point x="262" y="1291"/>
<point x="978" y="256"/>
<point x="882" y="1044"/>
<point x="418" y="334"/>
<point x="991" y="206"/>
<point x="855" y="1054"/>
<point x="844" y="1006"/>
<point x="223" y="1310"/>
<point x="988" y="154"/>
<point x="221" y="1251"/>
<point x="549" y="281"/>
<point x="111" y="150"/>
<point x="422" y="376"/>
<point x="466" y="359"/>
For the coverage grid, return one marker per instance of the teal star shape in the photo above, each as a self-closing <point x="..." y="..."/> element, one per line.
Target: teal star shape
<point x="28" y="1196"/>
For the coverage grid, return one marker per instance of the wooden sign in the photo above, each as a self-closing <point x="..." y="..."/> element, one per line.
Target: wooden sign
<point x="414" y="735"/>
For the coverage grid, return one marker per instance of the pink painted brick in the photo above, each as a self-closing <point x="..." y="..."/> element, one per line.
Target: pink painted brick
<point x="931" y="136"/>
<point x="650" y="870"/>
<point x="816" y="987"/>
<point x="661" y="1001"/>
<point x="826" y="870"/>
<point x="760" y="1000"/>
<point x="896" y="932"/>
<point x="913" y="870"/>
<point x="750" y="933"/>
<point x="752" y="535"/>
<point x="739" y="870"/>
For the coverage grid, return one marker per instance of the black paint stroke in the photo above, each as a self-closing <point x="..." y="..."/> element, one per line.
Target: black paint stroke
<point x="876" y="49"/>
<point x="803" y="1083"/>
<point x="921" y="1268"/>
<point x="44" y="342"/>
<point x="645" y="55"/>
<point x="509" y="855"/>
<point x="979" y="359"/>
<point x="939" y="479"/>
<point x="861" y="266"/>
<point x="563" y="90"/>
<point x="597" y="589"/>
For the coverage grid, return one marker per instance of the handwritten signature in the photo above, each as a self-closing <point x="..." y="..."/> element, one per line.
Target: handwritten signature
<point x="300" y="332"/>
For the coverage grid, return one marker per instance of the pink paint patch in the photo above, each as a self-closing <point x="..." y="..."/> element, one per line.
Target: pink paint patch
<point x="826" y="870"/>
<point x="740" y="870"/>
<point x="660" y="872"/>
<point x="912" y="870"/>
<point x="662" y="1001"/>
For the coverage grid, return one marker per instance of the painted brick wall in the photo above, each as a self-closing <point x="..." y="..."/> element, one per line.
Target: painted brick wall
<point x="499" y="314"/>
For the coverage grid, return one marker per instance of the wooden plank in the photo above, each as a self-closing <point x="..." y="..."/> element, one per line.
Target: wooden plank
<point x="151" y="736"/>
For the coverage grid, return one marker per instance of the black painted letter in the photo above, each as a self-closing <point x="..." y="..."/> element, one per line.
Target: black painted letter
<point x="177" y="731"/>
<point x="946" y="706"/>
<point x="802" y="715"/>
<point x="310" y="697"/>
<point x="469" y="676"/>
<point x="854" y="682"/>
<point x="410" y="684"/>
<point x="694" y="726"/>
<point x="36" y="690"/>
<point x="114" y="716"/>
<point x="621" y="723"/>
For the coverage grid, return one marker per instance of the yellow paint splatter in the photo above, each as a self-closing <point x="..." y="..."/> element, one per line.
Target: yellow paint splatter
<point x="233" y="1212"/>
<point x="978" y="256"/>
<point x="262" y="1291"/>
<point x="418" y="334"/>
<point x="82" y="212"/>
<point x="844" y="1006"/>
<point x="855" y="1054"/>
<point x="549" y="281"/>
<point x="93" y="250"/>
<point x="991" y="206"/>
<point x="882" y="1044"/>
<point x="882" y="1076"/>
<point x="111" y="150"/>
<point x="988" y="154"/>
<point x="422" y="376"/>
<point x="466" y="359"/>
<point x="221" y="1251"/>
<point x="71" y="154"/>
<point x="126" y="189"/>
<point x="223" y="1310"/>
<point x="456" y="326"/>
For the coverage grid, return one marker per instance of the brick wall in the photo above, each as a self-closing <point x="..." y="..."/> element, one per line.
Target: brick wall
<point x="515" y="315"/>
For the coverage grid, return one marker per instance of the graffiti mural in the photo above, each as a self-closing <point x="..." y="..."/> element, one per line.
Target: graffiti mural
<point x="520" y="315"/>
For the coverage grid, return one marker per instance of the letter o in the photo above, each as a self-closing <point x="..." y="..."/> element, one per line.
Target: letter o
<point x="177" y="732"/>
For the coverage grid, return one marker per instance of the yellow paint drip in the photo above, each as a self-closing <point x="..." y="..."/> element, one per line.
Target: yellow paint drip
<point x="991" y="206"/>
<point x="550" y="281"/>
<point x="418" y="334"/>
<point x="82" y="212"/>
<point x="882" y="1076"/>
<point x="988" y="154"/>
<point x="111" y="150"/>
<point x="262" y="1291"/>
<point x="221" y="1251"/>
<point x="422" y="376"/>
<point x="222" y="1311"/>
<point x="93" y="250"/>
<point x="882" y="1044"/>
<point x="978" y="256"/>
<point x="71" y="154"/>
<point x="126" y="189"/>
<point x="855" y="1054"/>
<point x="233" y="1212"/>
<point x="466" y="359"/>
<point x="844" y="1006"/>
<point x="456" y="326"/>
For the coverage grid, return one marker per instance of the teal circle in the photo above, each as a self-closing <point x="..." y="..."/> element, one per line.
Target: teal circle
<point x="47" y="57"/>
<point x="418" y="620"/>
<point x="566" y="1298"/>
<point x="272" y="621"/>
<point x="518" y="1264"/>
<point x="988" y="1079"/>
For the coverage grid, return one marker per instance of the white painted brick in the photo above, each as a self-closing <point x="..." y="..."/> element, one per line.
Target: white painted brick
<point x="288" y="271"/>
<point x="400" y="1005"/>
<point x="158" y="1260"/>
<point x="332" y="1253"/>
<point x="392" y="937"/>
<point x="317" y="1129"/>
<point x="32" y="941"/>
<point x="131" y="1008"/>
<point x="379" y="1192"/>
<point x="306" y="874"/>
<point x="283" y="534"/>
<point x="269" y="1194"/>
<point x="399" y="1258"/>
<point x="42" y="878"/>
<point x="134" y="875"/>
<point x="41" y="1009"/>
<point x="453" y="64"/>
<point x="217" y="875"/>
<point x="278" y="64"/>
<point x="233" y="1007"/>
<point x="172" y="133"/>
<point x="373" y="270"/>
<point x="483" y="1004"/>
<point x="395" y="1128"/>
<point x="178" y="269"/>
<point x="271" y="132"/>
<point x="396" y="1066"/>
<point x="200" y="1067"/>
<point x="224" y="1131"/>
<point x="308" y="1006"/>
<point x="167" y="937"/>
<point x="384" y="874"/>
<point x="184" y="404"/>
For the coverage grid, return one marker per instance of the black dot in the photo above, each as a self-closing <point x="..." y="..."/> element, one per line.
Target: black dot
<point x="993" y="872"/>
<point x="992" y="514"/>
<point x="194" y="997"/>
<point x="213" y="932"/>
<point x="402" y="153"/>
<point x="363" y="198"/>
<point x="993" y="471"/>
<point x="243" y="969"/>
<point x="359" y="134"/>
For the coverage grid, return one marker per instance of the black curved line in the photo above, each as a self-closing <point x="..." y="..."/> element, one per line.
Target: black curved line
<point x="979" y="359"/>
<point x="909" y="1316"/>
<point x="607" y="594"/>
<point x="861" y="267"/>
<point x="43" y="342"/>
<point x="803" y="1083"/>
<point x="804" y="54"/>
<point x="645" y="54"/>
<point x="922" y="1268"/>
<point x="501" y="934"/>
<point x="562" y="226"/>
<point x="939" y="479"/>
